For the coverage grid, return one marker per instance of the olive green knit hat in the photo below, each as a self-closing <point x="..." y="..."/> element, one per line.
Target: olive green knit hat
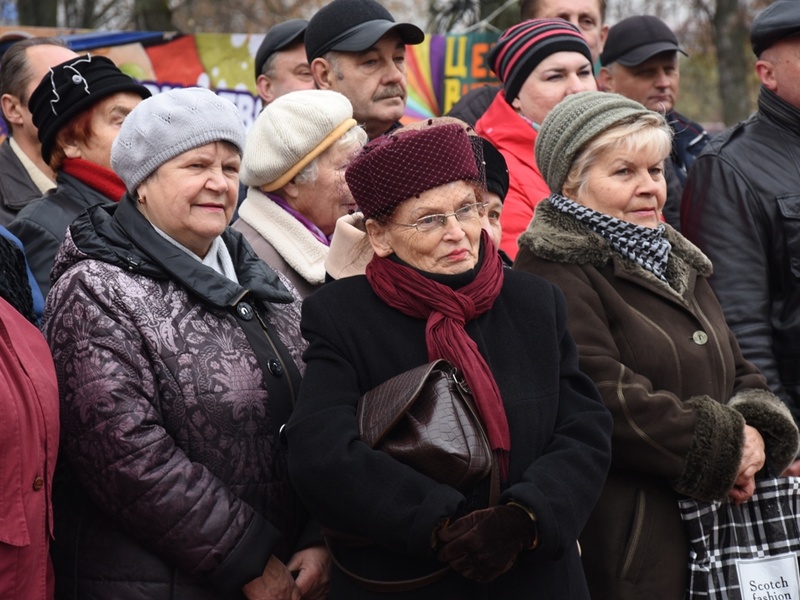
<point x="573" y="123"/>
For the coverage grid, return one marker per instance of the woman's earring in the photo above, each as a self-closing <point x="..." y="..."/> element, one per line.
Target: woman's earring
<point x="140" y="200"/>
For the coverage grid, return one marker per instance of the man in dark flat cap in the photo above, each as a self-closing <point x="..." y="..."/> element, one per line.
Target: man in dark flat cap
<point x="281" y="63"/>
<point x="355" y="47"/>
<point x="741" y="206"/>
<point x="640" y="61"/>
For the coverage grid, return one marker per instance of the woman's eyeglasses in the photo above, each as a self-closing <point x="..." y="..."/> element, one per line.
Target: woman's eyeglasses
<point x="432" y="222"/>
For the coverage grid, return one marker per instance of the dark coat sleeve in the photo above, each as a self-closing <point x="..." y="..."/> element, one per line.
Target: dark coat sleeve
<point x="722" y="215"/>
<point x="41" y="246"/>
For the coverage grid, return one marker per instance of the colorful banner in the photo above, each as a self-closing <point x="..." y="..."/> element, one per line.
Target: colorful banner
<point x="440" y="70"/>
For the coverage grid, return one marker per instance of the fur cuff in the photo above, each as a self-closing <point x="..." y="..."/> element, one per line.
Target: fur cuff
<point x="764" y="411"/>
<point x="712" y="462"/>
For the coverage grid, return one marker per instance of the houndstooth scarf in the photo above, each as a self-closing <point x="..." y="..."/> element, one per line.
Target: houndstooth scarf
<point x="646" y="246"/>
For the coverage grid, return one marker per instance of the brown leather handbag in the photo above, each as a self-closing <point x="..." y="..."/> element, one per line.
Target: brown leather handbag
<point x="426" y="419"/>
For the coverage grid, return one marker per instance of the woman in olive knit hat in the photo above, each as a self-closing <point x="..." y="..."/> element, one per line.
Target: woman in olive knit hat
<point x="691" y="416"/>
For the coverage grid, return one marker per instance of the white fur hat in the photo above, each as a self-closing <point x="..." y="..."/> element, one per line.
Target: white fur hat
<point x="291" y="132"/>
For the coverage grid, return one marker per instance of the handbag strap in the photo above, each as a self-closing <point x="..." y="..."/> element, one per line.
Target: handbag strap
<point x="376" y="585"/>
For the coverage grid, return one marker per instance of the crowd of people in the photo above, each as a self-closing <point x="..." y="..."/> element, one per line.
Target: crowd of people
<point x="191" y="314"/>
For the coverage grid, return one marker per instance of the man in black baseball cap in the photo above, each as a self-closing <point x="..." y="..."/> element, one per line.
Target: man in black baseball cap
<point x="640" y="61"/>
<point x="355" y="47"/>
<point x="281" y="63"/>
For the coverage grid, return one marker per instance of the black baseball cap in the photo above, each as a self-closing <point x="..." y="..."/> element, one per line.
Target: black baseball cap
<point x="353" y="26"/>
<point x="279" y="37"/>
<point x="779" y="20"/>
<point x="636" y="39"/>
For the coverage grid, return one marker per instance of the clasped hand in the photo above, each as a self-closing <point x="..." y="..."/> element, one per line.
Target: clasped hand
<point x="753" y="457"/>
<point x="484" y="544"/>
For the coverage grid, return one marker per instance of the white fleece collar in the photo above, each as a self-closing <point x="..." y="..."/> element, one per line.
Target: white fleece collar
<point x="290" y="238"/>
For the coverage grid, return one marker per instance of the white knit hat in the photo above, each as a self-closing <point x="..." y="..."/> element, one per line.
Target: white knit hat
<point x="291" y="132"/>
<point x="171" y="123"/>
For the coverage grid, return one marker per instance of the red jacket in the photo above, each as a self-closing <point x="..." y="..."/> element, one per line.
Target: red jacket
<point x="515" y="138"/>
<point x="28" y="448"/>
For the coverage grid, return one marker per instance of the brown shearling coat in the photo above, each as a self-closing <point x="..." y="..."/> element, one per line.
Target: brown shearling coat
<point x="672" y="374"/>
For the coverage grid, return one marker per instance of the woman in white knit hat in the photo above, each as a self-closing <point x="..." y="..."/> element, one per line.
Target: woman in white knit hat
<point x="294" y="163"/>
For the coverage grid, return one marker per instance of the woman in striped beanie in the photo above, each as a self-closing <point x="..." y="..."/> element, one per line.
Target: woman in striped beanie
<point x="540" y="62"/>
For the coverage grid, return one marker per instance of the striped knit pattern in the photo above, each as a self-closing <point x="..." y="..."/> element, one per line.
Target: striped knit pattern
<point x="522" y="47"/>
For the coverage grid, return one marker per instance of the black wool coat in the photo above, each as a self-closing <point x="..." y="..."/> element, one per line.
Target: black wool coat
<point x="559" y="438"/>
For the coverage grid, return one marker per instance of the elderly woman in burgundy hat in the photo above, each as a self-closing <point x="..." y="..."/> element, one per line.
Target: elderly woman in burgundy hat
<point x="436" y="288"/>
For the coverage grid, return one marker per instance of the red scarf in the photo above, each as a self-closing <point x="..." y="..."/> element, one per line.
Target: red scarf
<point x="447" y="311"/>
<point x="100" y="179"/>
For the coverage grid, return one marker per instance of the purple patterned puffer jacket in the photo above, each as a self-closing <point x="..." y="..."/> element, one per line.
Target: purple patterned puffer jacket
<point x="174" y="382"/>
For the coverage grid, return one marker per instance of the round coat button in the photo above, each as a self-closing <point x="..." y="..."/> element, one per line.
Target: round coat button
<point x="245" y="310"/>
<point x="38" y="484"/>
<point x="700" y="337"/>
<point x="275" y="367"/>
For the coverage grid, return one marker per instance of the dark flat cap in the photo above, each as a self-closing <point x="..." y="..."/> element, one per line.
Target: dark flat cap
<point x="637" y="39"/>
<point x="279" y="37"/>
<point x="779" y="20"/>
<point x="354" y="26"/>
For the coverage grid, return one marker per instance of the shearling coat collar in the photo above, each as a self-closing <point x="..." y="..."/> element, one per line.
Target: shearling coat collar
<point x="559" y="237"/>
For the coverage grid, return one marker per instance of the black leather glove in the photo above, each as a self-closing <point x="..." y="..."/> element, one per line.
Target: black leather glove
<point x="484" y="544"/>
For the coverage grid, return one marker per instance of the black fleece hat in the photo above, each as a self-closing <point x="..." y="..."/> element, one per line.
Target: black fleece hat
<point x="353" y="26"/>
<point x="779" y="20"/>
<point x="70" y="88"/>
<point x="636" y="39"/>
<point x="279" y="37"/>
<point x="496" y="169"/>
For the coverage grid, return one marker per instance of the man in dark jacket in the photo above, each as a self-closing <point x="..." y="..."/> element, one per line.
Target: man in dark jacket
<point x="640" y="61"/>
<point x="741" y="206"/>
<point x="24" y="175"/>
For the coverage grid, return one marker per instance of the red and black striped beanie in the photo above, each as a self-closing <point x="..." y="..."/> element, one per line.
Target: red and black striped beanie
<point x="522" y="47"/>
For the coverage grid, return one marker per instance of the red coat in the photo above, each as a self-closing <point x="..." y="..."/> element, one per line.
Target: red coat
<point x="28" y="448"/>
<point x="515" y="138"/>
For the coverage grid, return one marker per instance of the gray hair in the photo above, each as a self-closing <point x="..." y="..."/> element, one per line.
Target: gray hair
<point x="356" y="135"/>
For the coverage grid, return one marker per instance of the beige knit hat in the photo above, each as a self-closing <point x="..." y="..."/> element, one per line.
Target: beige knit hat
<point x="291" y="132"/>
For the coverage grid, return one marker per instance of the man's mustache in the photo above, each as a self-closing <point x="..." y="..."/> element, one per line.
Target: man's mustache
<point x="390" y="91"/>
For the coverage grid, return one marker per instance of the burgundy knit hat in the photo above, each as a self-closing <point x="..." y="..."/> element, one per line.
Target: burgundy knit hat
<point x="522" y="47"/>
<point x="393" y="168"/>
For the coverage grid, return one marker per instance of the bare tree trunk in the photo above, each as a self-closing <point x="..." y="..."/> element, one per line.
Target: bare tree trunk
<point x="152" y="15"/>
<point x="37" y="13"/>
<point x="733" y="60"/>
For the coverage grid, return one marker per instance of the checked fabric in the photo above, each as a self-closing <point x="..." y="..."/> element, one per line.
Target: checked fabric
<point x="721" y="532"/>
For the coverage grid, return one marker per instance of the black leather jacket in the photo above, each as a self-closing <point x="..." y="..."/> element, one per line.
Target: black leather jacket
<point x="741" y="206"/>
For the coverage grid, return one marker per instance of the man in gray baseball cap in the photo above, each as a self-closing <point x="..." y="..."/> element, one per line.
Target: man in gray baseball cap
<point x="355" y="47"/>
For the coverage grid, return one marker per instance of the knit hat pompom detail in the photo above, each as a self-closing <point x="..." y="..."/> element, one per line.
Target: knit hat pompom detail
<point x="572" y="124"/>
<point x="169" y="124"/>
